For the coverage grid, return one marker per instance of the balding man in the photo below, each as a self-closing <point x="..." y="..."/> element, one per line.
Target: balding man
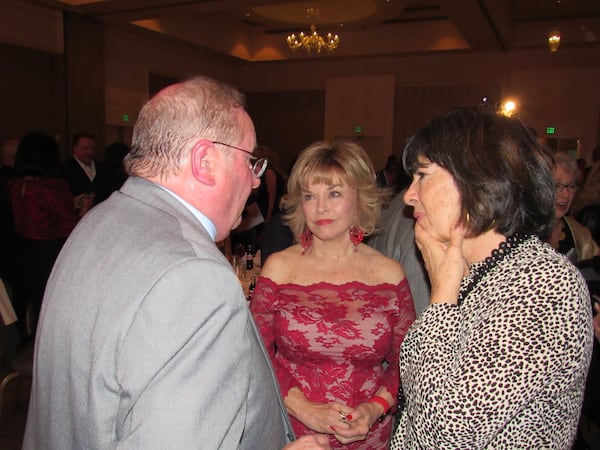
<point x="145" y="340"/>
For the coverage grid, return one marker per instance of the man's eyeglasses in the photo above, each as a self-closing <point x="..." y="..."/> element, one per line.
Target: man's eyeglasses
<point x="571" y="187"/>
<point x="257" y="165"/>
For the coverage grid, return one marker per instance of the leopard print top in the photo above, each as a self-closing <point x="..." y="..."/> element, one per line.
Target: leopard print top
<point x="506" y="368"/>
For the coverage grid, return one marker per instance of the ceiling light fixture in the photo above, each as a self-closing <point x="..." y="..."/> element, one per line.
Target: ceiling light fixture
<point x="313" y="41"/>
<point x="554" y="40"/>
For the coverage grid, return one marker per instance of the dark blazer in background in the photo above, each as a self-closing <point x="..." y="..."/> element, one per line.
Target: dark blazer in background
<point x="79" y="182"/>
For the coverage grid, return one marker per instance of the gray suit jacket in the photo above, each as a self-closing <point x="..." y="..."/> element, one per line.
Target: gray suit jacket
<point x="145" y="340"/>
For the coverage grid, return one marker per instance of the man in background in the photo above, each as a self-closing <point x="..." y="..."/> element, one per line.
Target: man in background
<point x="145" y="340"/>
<point x="392" y="176"/>
<point x="386" y="177"/>
<point x="83" y="173"/>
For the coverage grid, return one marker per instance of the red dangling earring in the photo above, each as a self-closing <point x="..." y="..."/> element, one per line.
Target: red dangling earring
<point x="306" y="239"/>
<point x="356" y="236"/>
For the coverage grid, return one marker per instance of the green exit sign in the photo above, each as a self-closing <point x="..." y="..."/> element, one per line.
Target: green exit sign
<point x="550" y="130"/>
<point x="125" y="117"/>
<point x="358" y="129"/>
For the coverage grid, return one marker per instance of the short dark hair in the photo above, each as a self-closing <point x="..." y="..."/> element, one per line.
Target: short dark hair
<point x="37" y="155"/>
<point x="392" y="164"/>
<point x="115" y="153"/>
<point x="82" y="134"/>
<point x="503" y="173"/>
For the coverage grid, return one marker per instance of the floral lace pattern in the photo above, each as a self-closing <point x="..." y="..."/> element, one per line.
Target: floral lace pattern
<point x="335" y="342"/>
<point x="43" y="208"/>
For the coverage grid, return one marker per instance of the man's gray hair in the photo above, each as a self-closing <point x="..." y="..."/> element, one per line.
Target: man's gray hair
<point x="172" y="121"/>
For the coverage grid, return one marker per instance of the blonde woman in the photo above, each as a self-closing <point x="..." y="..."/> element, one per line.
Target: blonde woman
<point x="331" y="310"/>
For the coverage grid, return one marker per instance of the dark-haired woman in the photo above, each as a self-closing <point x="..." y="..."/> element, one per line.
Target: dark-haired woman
<point x="499" y="358"/>
<point x="44" y="212"/>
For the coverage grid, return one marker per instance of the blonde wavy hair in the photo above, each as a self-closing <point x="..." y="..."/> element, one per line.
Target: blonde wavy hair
<point x="325" y="163"/>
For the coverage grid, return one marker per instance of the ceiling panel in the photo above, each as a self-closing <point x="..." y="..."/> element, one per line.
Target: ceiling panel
<point x="256" y="29"/>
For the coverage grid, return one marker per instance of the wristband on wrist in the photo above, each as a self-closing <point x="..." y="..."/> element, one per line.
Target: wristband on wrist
<point x="383" y="403"/>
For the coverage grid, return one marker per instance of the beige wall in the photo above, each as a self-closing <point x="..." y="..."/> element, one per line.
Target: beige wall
<point x="559" y="90"/>
<point x="132" y="56"/>
<point x="31" y="26"/>
<point x="366" y="102"/>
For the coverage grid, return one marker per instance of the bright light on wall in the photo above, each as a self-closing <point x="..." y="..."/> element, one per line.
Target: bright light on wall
<point x="508" y="108"/>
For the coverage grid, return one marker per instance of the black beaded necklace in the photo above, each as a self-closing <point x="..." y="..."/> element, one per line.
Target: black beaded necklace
<point x="505" y="248"/>
<point x="492" y="261"/>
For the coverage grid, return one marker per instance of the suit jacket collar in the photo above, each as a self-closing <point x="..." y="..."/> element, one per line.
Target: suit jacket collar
<point x="153" y="195"/>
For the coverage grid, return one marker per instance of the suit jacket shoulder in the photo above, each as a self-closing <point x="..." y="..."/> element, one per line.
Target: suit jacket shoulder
<point x="142" y="304"/>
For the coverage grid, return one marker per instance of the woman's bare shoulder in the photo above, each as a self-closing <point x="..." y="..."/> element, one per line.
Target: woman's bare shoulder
<point x="279" y="265"/>
<point x="386" y="269"/>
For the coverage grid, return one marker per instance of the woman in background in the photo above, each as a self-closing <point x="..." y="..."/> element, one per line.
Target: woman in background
<point x="272" y="183"/>
<point x="331" y="310"/>
<point x="499" y="358"/>
<point x="43" y="210"/>
<point x="568" y="236"/>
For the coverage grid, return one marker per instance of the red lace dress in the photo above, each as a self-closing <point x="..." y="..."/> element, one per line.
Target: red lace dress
<point x="335" y="343"/>
<point x="43" y="207"/>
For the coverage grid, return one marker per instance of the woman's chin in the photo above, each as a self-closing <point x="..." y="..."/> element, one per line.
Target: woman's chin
<point x="560" y="212"/>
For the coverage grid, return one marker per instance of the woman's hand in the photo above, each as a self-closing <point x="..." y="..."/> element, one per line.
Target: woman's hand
<point x="444" y="262"/>
<point x="361" y="420"/>
<point x="327" y="418"/>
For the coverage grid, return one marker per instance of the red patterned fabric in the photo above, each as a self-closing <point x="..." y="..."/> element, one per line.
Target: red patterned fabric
<point x="331" y="342"/>
<point x="43" y="208"/>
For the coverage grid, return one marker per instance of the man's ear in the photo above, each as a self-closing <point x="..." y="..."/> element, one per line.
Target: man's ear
<point x="203" y="162"/>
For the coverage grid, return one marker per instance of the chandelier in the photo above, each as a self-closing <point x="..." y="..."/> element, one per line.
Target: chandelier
<point x="313" y="41"/>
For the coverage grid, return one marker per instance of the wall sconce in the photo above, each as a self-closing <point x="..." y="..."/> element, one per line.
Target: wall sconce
<point x="508" y="108"/>
<point x="554" y="40"/>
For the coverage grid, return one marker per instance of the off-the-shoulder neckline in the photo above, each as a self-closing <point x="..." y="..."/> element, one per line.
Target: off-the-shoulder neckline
<point x="342" y="285"/>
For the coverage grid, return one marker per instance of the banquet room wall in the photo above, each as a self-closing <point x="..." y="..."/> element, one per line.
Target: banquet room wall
<point x="32" y="91"/>
<point x="285" y="98"/>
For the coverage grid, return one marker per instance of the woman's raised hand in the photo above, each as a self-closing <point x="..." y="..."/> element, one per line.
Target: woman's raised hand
<point x="445" y="263"/>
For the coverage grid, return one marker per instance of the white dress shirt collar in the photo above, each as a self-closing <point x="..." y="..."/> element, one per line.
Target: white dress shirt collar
<point x="90" y="170"/>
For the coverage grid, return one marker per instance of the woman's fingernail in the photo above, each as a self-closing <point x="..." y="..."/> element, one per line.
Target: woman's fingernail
<point x="331" y="426"/>
<point x="349" y="417"/>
